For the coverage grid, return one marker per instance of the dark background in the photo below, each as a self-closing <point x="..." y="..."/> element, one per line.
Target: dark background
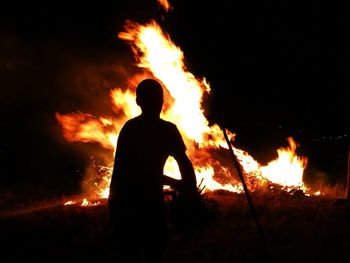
<point x="276" y="69"/>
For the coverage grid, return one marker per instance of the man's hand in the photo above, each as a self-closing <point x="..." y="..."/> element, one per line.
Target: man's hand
<point x="187" y="190"/>
<point x="174" y="183"/>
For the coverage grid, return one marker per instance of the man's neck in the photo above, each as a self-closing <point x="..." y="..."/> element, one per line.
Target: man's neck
<point x="150" y="116"/>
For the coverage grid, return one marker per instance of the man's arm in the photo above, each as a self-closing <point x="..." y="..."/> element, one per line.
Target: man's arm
<point x="189" y="182"/>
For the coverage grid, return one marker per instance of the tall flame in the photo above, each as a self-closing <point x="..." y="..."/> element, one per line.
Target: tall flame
<point x="166" y="62"/>
<point x="159" y="57"/>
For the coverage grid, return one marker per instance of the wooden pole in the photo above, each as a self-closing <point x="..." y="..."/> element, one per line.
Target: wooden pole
<point x="261" y="233"/>
<point x="246" y="191"/>
<point x="348" y="178"/>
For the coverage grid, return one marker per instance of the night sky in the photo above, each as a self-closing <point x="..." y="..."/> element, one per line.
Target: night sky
<point x="276" y="69"/>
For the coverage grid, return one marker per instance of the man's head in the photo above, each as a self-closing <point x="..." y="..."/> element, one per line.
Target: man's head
<point x="149" y="96"/>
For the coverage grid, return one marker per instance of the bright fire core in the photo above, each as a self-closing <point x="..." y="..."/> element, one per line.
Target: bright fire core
<point x="158" y="57"/>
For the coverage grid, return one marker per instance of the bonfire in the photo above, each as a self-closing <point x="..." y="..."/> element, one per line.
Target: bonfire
<point x="158" y="57"/>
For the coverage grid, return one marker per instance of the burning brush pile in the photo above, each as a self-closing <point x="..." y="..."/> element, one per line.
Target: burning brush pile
<point x="158" y="57"/>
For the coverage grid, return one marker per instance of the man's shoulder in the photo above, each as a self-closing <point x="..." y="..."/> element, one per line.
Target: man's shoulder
<point x="132" y="121"/>
<point x="168" y="124"/>
<point x="130" y="125"/>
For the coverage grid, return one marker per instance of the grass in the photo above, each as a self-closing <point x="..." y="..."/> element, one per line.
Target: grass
<point x="297" y="228"/>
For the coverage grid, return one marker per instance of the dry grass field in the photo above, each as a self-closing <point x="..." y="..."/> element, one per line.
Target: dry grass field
<point x="297" y="228"/>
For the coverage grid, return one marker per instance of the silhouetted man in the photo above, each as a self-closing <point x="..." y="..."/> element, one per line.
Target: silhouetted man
<point x="136" y="201"/>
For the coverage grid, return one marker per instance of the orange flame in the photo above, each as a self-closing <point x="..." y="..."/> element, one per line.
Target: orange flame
<point x="155" y="52"/>
<point x="82" y="127"/>
<point x="288" y="169"/>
